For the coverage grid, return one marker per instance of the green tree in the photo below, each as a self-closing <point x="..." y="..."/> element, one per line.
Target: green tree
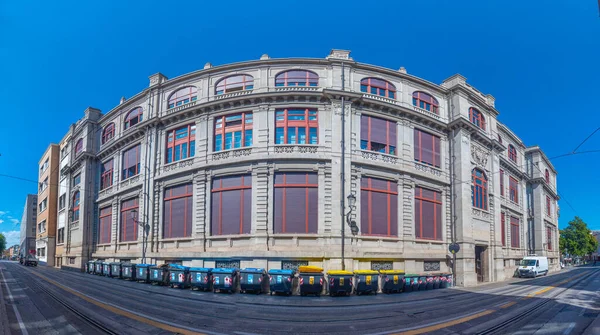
<point x="577" y="239"/>
<point x="2" y="243"/>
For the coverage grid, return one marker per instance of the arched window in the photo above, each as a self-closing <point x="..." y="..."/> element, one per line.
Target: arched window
<point x="378" y="87"/>
<point x="477" y="118"/>
<point x="75" y="207"/>
<point x="134" y="117"/>
<point x="241" y="82"/>
<point x="479" y="189"/>
<point x="79" y="146"/>
<point x="183" y="96"/>
<point x="108" y="133"/>
<point x="425" y="101"/>
<point x="547" y="176"/>
<point x="512" y="153"/>
<point x="297" y="78"/>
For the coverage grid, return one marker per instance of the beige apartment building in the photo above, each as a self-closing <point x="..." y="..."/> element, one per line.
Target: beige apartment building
<point x="47" y="204"/>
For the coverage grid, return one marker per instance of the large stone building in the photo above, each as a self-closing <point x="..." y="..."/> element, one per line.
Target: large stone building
<point x="47" y="201"/>
<point x="250" y="164"/>
<point x="28" y="226"/>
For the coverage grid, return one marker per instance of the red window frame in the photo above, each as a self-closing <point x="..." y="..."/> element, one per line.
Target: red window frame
<point x="515" y="231"/>
<point x="79" y="146"/>
<point x="479" y="189"/>
<point x="367" y="215"/>
<point x="105" y="234"/>
<point x="134" y="117"/>
<point x="502" y="182"/>
<point x="512" y="153"/>
<point x="366" y="139"/>
<point x="169" y="196"/>
<point x="246" y="83"/>
<point x="513" y="189"/>
<point x="126" y="207"/>
<point x="477" y="118"/>
<point x="294" y="78"/>
<point x="435" y="148"/>
<point x="420" y="197"/>
<point x="180" y="96"/>
<point x="222" y="127"/>
<point x="547" y="175"/>
<point x="503" y="228"/>
<point x="548" y="206"/>
<point x="76" y="202"/>
<point x="382" y="87"/>
<point x="108" y="133"/>
<point x="106" y="174"/>
<point x="244" y="227"/>
<point x="549" y="238"/>
<point x="176" y="144"/>
<point x="126" y="164"/>
<point x="427" y="100"/>
<point x="311" y="120"/>
<point x="306" y="186"/>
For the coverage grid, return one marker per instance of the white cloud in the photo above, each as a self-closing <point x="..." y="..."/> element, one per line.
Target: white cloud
<point x="12" y="237"/>
<point x="1" y="221"/>
<point x="15" y="221"/>
<point x="2" y="213"/>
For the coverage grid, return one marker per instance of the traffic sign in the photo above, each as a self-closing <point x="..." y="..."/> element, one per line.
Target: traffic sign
<point x="454" y="248"/>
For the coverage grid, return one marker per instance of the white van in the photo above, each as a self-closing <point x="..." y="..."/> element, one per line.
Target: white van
<point x="532" y="266"/>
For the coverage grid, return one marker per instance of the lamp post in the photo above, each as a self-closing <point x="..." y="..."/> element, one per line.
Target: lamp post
<point x="146" y="228"/>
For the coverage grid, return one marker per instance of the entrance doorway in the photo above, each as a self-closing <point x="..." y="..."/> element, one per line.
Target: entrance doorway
<point x="481" y="265"/>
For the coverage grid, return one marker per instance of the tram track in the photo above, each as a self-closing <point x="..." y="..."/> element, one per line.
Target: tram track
<point x="500" y="327"/>
<point x="87" y="319"/>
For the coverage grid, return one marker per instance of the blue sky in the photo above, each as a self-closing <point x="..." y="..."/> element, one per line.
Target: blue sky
<point x="538" y="58"/>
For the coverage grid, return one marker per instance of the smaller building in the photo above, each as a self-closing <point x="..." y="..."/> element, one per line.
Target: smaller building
<point x="47" y="205"/>
<point x="28" y="226"/>
<point x="596" y="254"/>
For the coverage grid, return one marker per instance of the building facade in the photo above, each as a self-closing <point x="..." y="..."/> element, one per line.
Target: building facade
<point x="28" y="226"/>
<point x="250" y="165"/>
<point x="64" y="184"/>
<point x="47" y="202"/>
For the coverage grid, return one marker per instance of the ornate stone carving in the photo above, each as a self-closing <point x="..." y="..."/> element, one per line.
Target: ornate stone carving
<point x="227" y="264"/>
<point x="431" y="266"/>
<point x="242" y="152"/>
<point x="479" y="213"/>
<point x="479" y="155"/>
<point x="428" y="169"/>
<point x="369" y="155"/>
<point x="305" y="150"/>
<point x="389" y="159"/>
<point x="337" y="108"/>
<point x="466" y="139"/>
<point x="284" y="149"/>
<point x="292" y="265"/>
<point x="220" y="155"/>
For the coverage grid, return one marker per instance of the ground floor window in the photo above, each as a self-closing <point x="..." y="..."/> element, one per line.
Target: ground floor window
<point x="71" y="260"/>
<point x="515" y="236"/>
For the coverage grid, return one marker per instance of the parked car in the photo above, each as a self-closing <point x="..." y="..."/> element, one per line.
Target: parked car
<point x="533" y="266"/>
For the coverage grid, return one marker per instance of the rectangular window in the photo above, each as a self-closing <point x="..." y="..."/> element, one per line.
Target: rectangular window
<point x="377" y="135"/>
<point x="62" y="201"/>
<point x="106" y="174"/>
<point x="43" y="205"/>
<point x="502" y="182"/>
<point x="61" y="236"/>
<point x="129" y="228"/>
<point x="131" y="162"/>
<point x="181" y="143"/>
<point x="515" y="236"/>
<point x="295" y="203"/>
<point x="231" y="205"/>
<point x="77" y="180"/>
<point x="513" y="190"/>
<point x="428" y="214"/>
<point x="548" y="207"/>
<point x="178" y="214"/>
<point x="427" y="148"/>
<point x="233" y="131"/>
<point x="71" y="260"/>
<point x="379" y="207"/>
<point x="105" y="233"/>
<point x="549" y="238"/>
<point x="503" y="228"/>
<point x="296" y="126"/>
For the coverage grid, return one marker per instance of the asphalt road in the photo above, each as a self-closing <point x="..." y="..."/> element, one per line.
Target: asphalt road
<point x="41" y="300"/>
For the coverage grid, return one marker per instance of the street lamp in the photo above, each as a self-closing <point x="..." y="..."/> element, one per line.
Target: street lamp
<point x="351" y="203"/>
<point x="146" y="228"/>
